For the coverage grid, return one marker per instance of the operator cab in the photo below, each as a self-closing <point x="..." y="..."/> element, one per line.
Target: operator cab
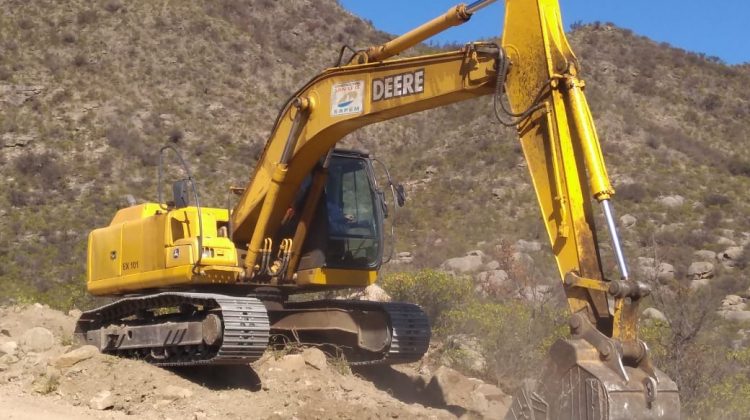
<point x="347" y="228"/>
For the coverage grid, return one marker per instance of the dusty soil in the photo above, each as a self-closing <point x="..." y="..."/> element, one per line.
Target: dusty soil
<point x="34" y="386"/>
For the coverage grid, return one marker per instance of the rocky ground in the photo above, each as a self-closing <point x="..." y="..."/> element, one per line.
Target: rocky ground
<point x="43" y="374"/>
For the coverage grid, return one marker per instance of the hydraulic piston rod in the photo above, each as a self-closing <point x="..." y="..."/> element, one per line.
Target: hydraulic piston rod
<point x="601" y="188"/>
<point x="477" y="5"/>
<point x="453" y="17"/>
<point x="615" y="240"/>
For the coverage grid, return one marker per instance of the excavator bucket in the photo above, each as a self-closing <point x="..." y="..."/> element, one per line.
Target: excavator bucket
<point x="578" y="384"/>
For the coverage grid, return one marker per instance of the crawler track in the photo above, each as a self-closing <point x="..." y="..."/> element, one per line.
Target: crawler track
<point x="244" y="319"/>
<point x="409" y="328"/>
<point x="244" y="329"/>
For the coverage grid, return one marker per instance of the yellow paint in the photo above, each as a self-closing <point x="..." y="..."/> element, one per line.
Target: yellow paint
<point x="560" y="145"/>
<point x="147" y="247"/>
<point x="336" y="277"/>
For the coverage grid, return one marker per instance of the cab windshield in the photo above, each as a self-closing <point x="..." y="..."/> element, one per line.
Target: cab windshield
<point x="353" y="219"/>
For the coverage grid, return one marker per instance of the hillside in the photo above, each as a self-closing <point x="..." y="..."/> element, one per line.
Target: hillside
<point x="89" y="91"/>
<point x="42" y="378"/>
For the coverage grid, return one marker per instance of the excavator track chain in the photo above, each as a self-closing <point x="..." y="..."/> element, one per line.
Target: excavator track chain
<point x="409" y="328"/>
<point x="241" y="337"/>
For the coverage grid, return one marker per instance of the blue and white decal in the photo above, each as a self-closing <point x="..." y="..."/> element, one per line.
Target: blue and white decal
<point x="347" y="98"/>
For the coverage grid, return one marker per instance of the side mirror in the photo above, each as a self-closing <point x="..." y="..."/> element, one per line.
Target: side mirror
<point x="400" y="195"/>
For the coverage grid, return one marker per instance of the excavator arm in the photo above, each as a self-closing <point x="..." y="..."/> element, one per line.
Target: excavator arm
<point x="604" y="370"/>
<point x="337" y="102"/>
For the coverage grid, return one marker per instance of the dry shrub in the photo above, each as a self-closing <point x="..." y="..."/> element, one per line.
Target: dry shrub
<point x="693" y="349"/>
<point x="714" y="199"/>
<point x="120" y="137"/>
<point x="86" y="17"/>
<point x="44" y="167"/>
<point x="632" y="192"/>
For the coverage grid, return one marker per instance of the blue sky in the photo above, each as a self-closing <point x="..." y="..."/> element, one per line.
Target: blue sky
<point x="714" y="28"/>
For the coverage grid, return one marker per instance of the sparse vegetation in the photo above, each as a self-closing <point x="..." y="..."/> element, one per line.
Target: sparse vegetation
<point x="514" y="334"/>
<point x="671" y="122"/>
<point x="435" y="291"/>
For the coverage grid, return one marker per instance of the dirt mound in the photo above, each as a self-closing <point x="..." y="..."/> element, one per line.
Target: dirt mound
<point x="43" y="378"/>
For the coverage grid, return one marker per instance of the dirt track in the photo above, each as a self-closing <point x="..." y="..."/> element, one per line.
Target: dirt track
<point x="33" y="385"/>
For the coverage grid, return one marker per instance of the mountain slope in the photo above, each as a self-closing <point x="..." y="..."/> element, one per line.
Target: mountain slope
<point x="89" y="91"/>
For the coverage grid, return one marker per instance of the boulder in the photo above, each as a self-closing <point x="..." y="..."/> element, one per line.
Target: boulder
<point x="291" y="362"/>
<point x="8" y="347"/>
<point x="730" y="257"/>
<point x="724" y="241"/>
<point x="738" y="316"/>
<point x="372" y="293"/>
<point x="491" y="283"/>
<point x="650" y="270"/>
<point x="464" y="351"/>
<point x="705" y="255"/>
<point x="467" y="264"/>
<point x="431" y="170"/>
<point x="448" y="387"/>
<point x="527" y="246"/>
<point x="498" y="402"/>
<point x="405" y="257"/>
<point x="665" y="272"/>
<point x="628" y="221"/>
<point x="102" y="401"/>
<point x="672" y="201"/>
<point x="37" y="339"/>
<point x="476" y="253"/>
<point x="733" y="302"/>
<point x="522" y="258"/>
<point x="72" y="357"/>
<point x="729" y="233"/>
<point x="492" y="265"/>
<point x="8" y="359"/>
<point x="697" y="284"/>
<point x="701" y="270"/>
<point x="315" y="358"/>
<point x="536" y="294"/>
<point x="172" y="392"/>
<point x="655" y="314"/>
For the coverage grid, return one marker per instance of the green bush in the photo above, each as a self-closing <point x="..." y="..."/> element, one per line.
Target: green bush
<point x="435" y="291"/>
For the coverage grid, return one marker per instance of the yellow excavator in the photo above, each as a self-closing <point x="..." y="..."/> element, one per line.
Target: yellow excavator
<point x="202" y="286"/>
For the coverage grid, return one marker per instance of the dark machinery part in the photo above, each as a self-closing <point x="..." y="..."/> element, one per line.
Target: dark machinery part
<point x="184" y="329"/>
